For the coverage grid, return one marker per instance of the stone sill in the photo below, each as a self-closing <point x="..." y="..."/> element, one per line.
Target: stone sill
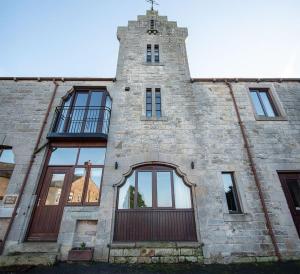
<point x="144" y="118"/>
<point x="243" y="217"/>
<point x="155" y="244"/>
<point x="264" y="118"/>
<point x="153" y="64"/>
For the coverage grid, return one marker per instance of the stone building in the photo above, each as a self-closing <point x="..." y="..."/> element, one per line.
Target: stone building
<point x="152" y="165"/>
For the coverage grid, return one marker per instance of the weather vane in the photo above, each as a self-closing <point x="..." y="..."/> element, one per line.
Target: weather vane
<point x="152" y="2"/>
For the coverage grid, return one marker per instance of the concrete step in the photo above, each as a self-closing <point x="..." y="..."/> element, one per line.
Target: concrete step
<point x="33" y="247"/>
<point x="28" y="259"/>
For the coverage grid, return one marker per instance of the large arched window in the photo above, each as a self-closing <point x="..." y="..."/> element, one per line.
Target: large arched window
<point x="154" y="204"/>
<point x="154" y="187"/>
<point x="7" y="164"/>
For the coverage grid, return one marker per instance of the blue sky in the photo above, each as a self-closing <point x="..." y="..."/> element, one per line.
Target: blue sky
<point x="227" y="38"/>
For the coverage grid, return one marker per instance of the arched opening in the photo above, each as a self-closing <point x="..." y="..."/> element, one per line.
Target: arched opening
<point x="154" y="204"/>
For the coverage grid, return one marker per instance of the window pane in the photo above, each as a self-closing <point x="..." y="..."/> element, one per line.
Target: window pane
<point x="63" y="156"/>
<point x="77" y="185"/>
<point x="106" y="116"/>
<point x="144" y="198"/>
<point x="294" y="188"/>
<point x="93" y="191"/>
<point x="182" y="193"/>
<point x="55" y="188"/>
<point x="96" y="99"/>
<point x="258" y="108"/>
<point x="4" y="180"/>
<point x="7" y="156"/>
<point x="164" y="192"/>
<point x="267" y="104"/>
<point x="229" y="191"/>
<point x="94" y="155"/>
<point x="81" y="99"/>
<point x="126" y="193"/>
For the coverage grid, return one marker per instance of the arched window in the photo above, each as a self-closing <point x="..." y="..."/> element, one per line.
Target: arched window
<point x="154" y="187"/>
<point x="154" y="204"/>
<point x="7" y="164"/>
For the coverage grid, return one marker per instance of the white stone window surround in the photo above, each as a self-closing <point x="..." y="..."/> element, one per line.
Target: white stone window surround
<point x="153" y="118"/>
<point x="281" y="115"/>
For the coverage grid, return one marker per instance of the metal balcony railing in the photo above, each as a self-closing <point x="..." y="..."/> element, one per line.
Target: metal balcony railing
<point x="80" y="121"/>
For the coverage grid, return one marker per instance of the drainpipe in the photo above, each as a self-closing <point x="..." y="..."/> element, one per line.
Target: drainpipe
<point x="253" y="169"/>
<point x="32" y="158"/>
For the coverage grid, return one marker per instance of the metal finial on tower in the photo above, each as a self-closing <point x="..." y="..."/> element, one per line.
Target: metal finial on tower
<point x="152" y="2"/>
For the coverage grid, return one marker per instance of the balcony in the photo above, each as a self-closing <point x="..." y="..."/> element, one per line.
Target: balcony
<point x="80" y="123"/>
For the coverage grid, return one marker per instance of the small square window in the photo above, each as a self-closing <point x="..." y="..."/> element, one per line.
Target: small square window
<point x="263" y="104"/>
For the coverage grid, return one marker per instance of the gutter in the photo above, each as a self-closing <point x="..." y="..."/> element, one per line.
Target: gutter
<point x="254" y="171"/>
<point x="32" y="158"/>
<point x="63" y="79"/>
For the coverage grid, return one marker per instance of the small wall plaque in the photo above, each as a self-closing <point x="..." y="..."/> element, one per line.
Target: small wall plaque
<point x="10" y="199"/>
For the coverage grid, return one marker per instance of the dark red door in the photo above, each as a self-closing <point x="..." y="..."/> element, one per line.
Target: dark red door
<point x="291" y="186"/>
<point x="49" y="209"/>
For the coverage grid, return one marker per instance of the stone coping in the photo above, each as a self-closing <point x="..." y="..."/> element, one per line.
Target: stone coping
<point x="155" y="244"/>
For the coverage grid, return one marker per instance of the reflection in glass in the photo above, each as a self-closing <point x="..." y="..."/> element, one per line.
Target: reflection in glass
<point x="63" y="156"/>
<point x="4" y="180"/>
<point x="267" y="104"/>
<point x="55" y="188"/>
<point x="164" y="191"/>
<point x="94" y="155"/>
<point x="7" y="156"/>
<point x="77" y="113"/>
<point x="182" y="193"/>
<point x="93" y="190"/>
<point x="126" y="193"/>
<point x="144" y="198"/>
<point x="63" y="116"/>
<point x="294" y="188"/>
<point x="77" y="185"/>
<point x="93" y="112"/>
<point x="229" y="191"/>
<point x="106" y="116"/>
<point x="258" y="108"/>
<point x="7" y="164"/>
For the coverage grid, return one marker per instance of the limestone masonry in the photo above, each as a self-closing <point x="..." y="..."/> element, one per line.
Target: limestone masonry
<point x="177" y="183"/>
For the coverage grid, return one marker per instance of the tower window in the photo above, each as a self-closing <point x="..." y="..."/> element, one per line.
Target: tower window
<point x="158" y="102"/>
<point x="149" y="54"/>
<point x="148" y="102"/>
<point x="152" y="55"/>
<point x="156" y="53"/>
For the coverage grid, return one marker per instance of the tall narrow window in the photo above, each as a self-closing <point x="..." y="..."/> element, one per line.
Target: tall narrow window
<point x="148" y="102"/>
<point x="262" y="103"/>
<point x="156" y="53"/>
<point x="158" y="102"/>
<point x="7" y="165"/>
<point x="231" y="192"/>
<point x="149" y="54"/>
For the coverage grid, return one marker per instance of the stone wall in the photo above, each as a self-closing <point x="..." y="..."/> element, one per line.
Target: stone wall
<point x="198" y="124"/>
<point x="155" y="253"/>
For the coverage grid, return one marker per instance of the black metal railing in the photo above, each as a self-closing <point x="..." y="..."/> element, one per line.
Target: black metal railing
<point x="81" y="121"/>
